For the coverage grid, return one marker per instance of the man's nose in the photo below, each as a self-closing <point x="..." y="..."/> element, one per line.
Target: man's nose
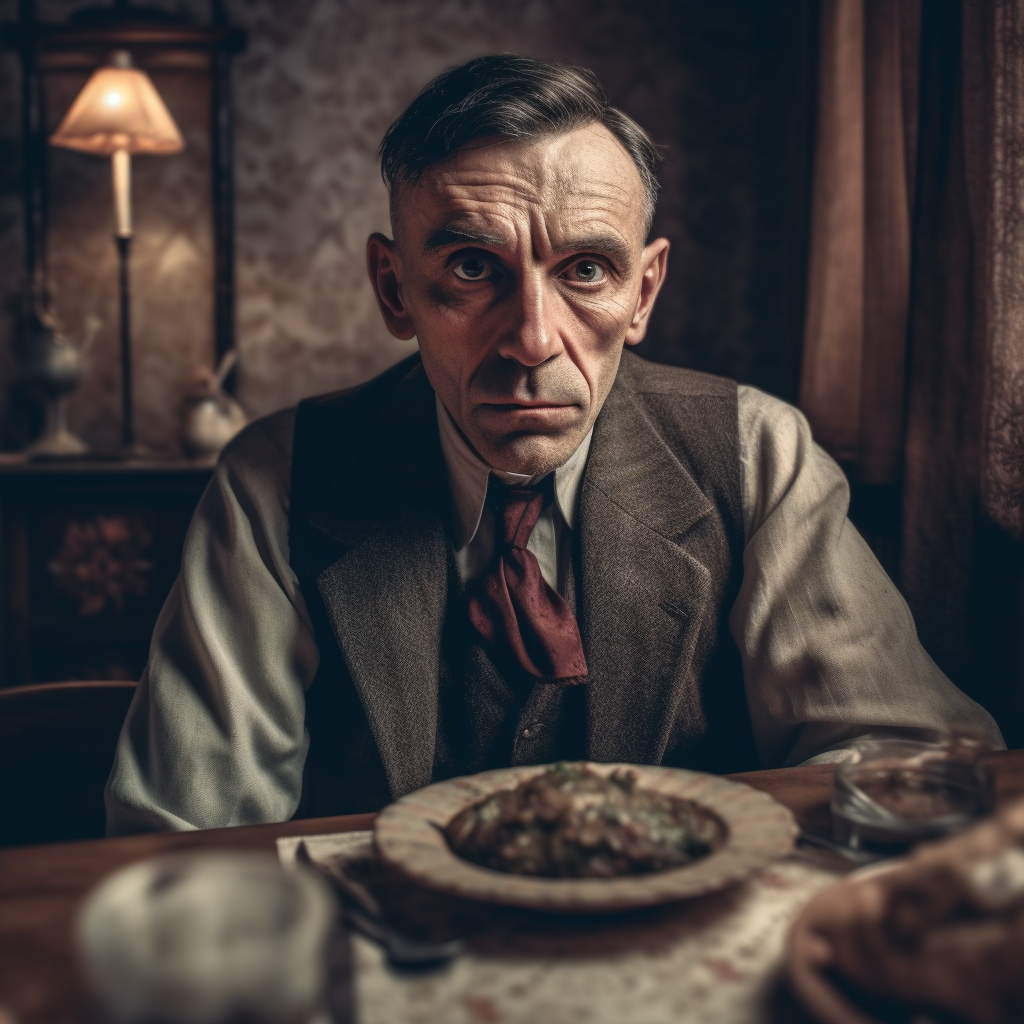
<point x="534" y="336"/>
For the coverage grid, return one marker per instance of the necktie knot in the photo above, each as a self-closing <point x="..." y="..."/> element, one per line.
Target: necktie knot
<point x="512" y="605"/>
<point x="516" y="509"/>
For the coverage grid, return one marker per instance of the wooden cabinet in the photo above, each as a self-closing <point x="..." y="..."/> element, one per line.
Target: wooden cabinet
<point x="89" y="553"/>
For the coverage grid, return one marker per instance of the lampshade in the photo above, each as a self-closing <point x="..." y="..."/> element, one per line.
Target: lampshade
<point x="118" y="109"/>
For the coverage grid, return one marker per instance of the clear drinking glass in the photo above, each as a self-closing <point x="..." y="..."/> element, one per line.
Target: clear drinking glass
<point x="895" y="790"/>
<point x="208" y="938"/>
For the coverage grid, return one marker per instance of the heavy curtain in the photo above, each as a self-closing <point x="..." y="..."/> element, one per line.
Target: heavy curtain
<point x="913" y="369"/>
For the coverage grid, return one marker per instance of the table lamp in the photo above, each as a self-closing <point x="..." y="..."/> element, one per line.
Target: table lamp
<point x="118" y="113"/>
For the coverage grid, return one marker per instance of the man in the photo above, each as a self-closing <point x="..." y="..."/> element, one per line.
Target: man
<point x="522" y="544"/>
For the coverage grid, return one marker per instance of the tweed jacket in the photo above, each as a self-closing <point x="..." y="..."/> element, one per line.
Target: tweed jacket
<point x="217" y="732"/>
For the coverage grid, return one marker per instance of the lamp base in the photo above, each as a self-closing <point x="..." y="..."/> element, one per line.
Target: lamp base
<point x="61" y="444"/>
<point x="57" y="442"/>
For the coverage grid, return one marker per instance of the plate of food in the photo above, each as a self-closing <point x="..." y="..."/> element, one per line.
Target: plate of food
<point x="580" y="837"/>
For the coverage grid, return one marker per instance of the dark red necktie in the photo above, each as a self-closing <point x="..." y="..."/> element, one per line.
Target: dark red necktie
<point x="512" y="604"/>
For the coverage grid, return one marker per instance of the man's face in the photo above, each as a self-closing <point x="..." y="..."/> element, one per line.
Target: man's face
<point x="521" y="269"/>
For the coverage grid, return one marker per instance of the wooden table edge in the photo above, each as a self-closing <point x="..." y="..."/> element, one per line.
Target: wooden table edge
<point x="42" y="887"/>
<point x="799" y="788"/>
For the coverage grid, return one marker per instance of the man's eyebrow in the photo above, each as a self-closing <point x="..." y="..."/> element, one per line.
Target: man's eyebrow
<point x="608" y="245"/>
<point x="451" y="235"/>
<point x="605" y="245"/>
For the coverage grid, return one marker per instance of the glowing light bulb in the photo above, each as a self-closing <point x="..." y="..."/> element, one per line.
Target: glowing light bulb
<point x="112" y="99"/>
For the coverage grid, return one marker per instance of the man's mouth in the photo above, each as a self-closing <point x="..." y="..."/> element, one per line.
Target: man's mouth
<point x="530" y="416"/>
<point x="515" y="406"/>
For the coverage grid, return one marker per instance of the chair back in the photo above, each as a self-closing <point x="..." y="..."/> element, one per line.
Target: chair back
<point x="57" y="744"/>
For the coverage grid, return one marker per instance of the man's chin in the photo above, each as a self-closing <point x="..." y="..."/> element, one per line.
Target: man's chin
<point x="532" y="454"/>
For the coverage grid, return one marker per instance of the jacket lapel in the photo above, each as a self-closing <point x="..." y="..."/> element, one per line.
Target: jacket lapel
<point x="386" y="592"/>
<point x="642" y="593"/>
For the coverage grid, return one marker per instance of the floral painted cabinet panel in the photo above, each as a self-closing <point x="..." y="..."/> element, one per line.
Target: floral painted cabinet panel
<point x="89" y="553"/>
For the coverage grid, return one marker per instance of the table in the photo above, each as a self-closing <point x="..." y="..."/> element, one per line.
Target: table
<point x="42" y="887"/>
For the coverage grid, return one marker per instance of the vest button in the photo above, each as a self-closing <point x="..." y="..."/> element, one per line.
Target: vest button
<point x="532" y="730"/>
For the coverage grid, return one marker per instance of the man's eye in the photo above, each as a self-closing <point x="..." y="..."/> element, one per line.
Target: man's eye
<point x="473" y="269"/>
<point x="587" y="271"/>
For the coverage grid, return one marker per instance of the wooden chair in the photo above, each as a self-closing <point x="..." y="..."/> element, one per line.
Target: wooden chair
<point x="57" y="744"/>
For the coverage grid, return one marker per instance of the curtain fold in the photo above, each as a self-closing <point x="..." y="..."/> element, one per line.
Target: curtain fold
<point x="852" y="383"/>
<point x="830" y="383"/>
<point x="891" y="37"/>
<point x="993" y="70"/>
<point x="943" y="397"/>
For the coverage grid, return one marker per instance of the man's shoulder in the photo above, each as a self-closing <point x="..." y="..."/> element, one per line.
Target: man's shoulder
<point x="265" y="440"/>
<point x="695" y="413"/>
<point x="266" y="445"/>
<point x="361" y="397"/>
<point x="760" y="415"/>
<point x="768" y="422"/>
<point x="645" y="377"/>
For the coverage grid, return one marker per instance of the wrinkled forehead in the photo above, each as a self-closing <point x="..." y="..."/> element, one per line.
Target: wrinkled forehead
<point x="561" y="182"/>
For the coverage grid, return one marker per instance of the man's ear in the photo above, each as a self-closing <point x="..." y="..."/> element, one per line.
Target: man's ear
<point x="386" y="277"/>
<point x="654" y="260"/>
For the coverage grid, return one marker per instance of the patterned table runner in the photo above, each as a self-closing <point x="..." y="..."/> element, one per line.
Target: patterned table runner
<point x="713" y="960"/>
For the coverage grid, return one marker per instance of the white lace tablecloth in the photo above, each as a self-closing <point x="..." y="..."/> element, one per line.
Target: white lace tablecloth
<point x="714" y="960"/>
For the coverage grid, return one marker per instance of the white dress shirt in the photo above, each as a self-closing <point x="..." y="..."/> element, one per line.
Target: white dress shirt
<point x="468" y="476"/>
<point x="216" y="733"/>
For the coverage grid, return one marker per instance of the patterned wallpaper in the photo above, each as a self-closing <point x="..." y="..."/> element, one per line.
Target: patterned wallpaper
<point x="719" y="85"/>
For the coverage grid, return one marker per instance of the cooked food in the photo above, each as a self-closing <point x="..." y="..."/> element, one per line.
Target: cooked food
<point x="570" y="822"/>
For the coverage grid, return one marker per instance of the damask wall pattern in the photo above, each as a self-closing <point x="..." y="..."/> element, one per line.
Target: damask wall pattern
<point x="717" y="85"/>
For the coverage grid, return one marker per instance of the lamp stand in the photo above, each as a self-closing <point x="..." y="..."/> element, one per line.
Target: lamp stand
<point x="127" y="418"/>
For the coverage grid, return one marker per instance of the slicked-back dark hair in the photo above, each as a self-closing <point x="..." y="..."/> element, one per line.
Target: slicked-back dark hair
<point x="515" y="97"/>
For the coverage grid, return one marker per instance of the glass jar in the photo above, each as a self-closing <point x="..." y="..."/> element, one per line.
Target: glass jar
<point x="208" y="938"/>
<point x="894" y="791"/>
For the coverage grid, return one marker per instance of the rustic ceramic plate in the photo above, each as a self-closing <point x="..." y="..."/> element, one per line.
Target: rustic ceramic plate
<point x="757" y="831"/>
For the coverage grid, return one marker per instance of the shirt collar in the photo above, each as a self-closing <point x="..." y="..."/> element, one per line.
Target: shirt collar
<point x="468" y="475"/>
